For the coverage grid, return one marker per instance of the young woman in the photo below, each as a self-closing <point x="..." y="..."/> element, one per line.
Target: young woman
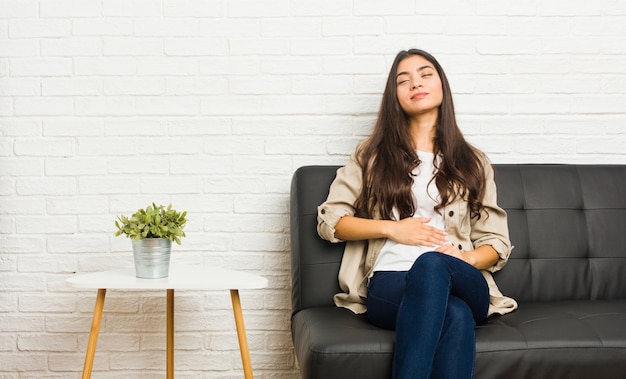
<point x="417" y="206"/>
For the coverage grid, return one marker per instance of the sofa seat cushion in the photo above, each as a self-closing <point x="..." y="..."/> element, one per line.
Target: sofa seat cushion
<point x="333" y="342"/>
<point x="586" y="338"/>
<point x="565" y="339"/>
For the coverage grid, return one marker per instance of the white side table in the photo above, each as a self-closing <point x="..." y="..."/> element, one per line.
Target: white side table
<point x="180" y="278"/>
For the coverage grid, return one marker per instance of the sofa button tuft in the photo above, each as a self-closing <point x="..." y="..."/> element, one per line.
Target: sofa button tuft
<point x="451" y="213"/>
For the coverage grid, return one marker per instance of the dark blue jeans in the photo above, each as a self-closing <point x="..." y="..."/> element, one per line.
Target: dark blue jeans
<point x="434" y="308"/>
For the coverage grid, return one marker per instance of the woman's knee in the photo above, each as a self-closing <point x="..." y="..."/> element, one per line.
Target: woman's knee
<point x="431" y="258"/>
<point x="429" y="263"/>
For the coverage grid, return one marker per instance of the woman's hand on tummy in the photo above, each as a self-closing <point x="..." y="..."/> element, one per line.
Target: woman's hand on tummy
<point x="483" y="257"/>
<point x="416" y="231"/>
<point x="452" y="250"/>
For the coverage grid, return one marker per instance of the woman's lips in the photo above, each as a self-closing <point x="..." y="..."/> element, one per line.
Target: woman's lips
<point x="419" y="95"/>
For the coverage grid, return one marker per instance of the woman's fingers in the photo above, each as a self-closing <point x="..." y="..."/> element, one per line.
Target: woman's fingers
<point x="415" y="231"/>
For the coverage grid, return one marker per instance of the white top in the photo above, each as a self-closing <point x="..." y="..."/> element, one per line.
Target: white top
<point x="395" y="256"/>
<point x="181" y="277"/>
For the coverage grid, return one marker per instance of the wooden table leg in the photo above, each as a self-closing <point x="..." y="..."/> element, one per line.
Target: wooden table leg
<point x="93" y="334"/>
<point x="241" y="334"/>
<point x="170" y="334"/>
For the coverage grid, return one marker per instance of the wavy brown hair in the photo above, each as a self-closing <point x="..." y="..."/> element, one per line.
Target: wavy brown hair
<point x="388" y="156"/>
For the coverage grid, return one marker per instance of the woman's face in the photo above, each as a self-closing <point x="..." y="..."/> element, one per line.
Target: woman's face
<point x="418" y="88"/>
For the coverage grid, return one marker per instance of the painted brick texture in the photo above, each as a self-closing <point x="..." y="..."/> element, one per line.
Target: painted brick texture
<point x="108" y="105"/>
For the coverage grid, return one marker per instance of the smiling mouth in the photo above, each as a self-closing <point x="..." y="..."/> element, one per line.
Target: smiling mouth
<point x="419" y="95"/>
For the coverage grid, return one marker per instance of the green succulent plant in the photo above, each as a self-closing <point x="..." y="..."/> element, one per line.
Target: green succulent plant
<point x="153" y="222"/>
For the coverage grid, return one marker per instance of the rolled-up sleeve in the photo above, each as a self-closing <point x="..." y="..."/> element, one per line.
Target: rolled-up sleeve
<point x="342" y="195"/>
<point x="492" y="229"/>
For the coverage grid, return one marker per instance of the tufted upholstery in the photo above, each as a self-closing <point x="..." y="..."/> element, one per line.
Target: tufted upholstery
<point x="567" y="271"/>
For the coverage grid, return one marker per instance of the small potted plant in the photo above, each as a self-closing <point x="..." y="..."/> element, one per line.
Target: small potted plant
<point x="152" y="231"/>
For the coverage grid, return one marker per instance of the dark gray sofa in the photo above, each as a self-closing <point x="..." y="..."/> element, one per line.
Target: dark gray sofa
<point x="567" y="271"/>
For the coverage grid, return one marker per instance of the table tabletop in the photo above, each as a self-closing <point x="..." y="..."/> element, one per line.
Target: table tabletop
<point x="181" y="277"/>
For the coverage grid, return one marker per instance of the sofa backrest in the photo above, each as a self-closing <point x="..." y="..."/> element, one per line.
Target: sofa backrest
<point x="567" y="223"/>
<point x="314" y="261"/>
<point x="568" y="226"/>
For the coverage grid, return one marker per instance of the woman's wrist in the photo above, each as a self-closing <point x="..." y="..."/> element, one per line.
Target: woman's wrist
<point x="386" y="228"/>
<point x="483" y="257"/>
<point x="469" y="257"/>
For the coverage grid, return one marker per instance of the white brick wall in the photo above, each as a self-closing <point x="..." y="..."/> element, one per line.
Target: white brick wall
<point x="107" y="105"/>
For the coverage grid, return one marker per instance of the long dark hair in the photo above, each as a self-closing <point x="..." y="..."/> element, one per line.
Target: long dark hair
<point x="388" y="156"/>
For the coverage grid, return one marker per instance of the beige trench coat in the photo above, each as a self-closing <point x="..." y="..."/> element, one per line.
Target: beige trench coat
<point x="465" y="232"/>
